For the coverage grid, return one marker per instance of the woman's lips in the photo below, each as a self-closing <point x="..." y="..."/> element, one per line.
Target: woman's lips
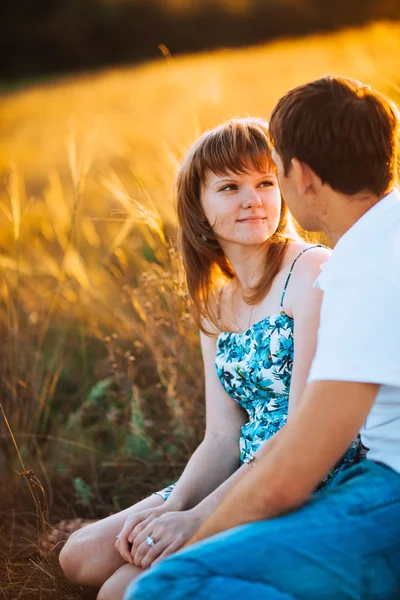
<point x="251" y="219"/>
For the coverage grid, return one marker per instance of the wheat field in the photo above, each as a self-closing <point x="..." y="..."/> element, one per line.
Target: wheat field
<point x="101" y="386"/>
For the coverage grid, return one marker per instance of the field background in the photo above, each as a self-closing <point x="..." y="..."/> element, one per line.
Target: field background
<point x="100" y="369"/>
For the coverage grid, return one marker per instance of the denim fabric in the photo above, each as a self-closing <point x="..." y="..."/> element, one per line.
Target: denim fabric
<point x="343" y="544"/>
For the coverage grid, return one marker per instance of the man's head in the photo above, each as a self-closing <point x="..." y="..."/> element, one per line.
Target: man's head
<point x="333" y="133"/>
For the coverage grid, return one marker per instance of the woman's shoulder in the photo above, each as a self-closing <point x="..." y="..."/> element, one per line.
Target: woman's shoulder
<point x="303" y="255"/>
<point x="304" y="264"/>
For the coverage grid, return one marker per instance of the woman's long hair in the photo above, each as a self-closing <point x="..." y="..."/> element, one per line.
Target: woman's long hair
<point x="235" y="145"/>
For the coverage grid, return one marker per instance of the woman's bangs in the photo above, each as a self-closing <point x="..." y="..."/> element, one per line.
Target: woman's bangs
<point x="236" y="152"/>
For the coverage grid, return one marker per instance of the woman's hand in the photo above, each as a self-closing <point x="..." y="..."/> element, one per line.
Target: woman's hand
<point x="169" y="533"/>
<point x="134" y="525"/>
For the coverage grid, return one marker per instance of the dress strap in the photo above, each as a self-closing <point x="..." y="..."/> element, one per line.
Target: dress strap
<point x="291" y="269"/>
<point x="218" y="305"/>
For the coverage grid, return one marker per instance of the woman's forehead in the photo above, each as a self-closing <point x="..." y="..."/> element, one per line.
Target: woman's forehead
<point x="211" y="175"/>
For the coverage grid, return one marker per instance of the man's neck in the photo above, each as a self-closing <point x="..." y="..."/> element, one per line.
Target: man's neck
<point x="342" y="212"/>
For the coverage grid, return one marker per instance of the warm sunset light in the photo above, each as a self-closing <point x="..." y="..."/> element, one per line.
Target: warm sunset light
<point x="101" y="385"/>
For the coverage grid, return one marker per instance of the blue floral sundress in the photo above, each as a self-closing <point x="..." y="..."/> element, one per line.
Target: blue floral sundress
<point x="255" y="369"/>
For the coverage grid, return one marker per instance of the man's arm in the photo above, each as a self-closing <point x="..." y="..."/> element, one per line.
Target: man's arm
<point x="299" y="456"/>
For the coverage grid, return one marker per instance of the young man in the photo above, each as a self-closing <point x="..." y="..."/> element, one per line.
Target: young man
<point x="335" y="143"/>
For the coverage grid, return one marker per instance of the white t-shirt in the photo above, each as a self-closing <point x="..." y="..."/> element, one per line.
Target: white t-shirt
<point x="359" y="334"/>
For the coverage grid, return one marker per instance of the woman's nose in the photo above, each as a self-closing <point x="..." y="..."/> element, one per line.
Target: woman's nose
<point x="250" y="198"/>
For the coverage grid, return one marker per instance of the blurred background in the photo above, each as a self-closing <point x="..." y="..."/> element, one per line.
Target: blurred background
<point x="101" y="398"/>
<point x="44" y="37"/>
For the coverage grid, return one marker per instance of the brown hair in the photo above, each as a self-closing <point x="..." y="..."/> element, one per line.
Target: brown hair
<point x="232" y="146"/>
<point x="344" y="130"/>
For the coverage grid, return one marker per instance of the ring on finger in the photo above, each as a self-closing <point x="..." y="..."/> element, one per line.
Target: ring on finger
<point x="150" y="541"/>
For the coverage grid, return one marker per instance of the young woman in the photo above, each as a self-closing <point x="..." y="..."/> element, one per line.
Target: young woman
<point x="250" y="278"/>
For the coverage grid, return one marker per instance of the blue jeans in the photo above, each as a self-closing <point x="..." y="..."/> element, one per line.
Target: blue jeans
<point x="343" y="544"/>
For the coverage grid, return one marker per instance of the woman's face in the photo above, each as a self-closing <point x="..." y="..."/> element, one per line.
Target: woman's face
<point x="242" y="208"/>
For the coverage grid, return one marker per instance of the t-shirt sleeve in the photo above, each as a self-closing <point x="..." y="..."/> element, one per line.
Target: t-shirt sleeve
<point x="359" y="334"/>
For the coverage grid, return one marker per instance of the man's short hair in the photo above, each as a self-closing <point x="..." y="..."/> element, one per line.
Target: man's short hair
<point x="344" y="130"/>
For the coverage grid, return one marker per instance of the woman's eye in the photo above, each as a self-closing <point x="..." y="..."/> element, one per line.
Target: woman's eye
<point x="266" y="183"/>
<point x="229" y="187"/>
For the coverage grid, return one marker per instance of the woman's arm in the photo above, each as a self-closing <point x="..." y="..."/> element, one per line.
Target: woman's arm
<point x="217" y="457"/>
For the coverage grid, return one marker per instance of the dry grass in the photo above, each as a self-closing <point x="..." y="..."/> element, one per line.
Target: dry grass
<point x="101" y="381"/>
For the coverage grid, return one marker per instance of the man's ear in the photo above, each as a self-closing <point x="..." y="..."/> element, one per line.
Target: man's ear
<point x="306" y="180"/>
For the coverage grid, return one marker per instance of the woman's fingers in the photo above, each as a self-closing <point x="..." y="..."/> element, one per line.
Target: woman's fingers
<point x="140" y="537"/>
<point x="146" y="553"/>
<point x="123" y="543"/>
<point x="170" y="549"/>
<point x="141" y="546"/>
<point x="124" y="547"/>
<point x="168" y="532"/>
<point x="135" y="531"/>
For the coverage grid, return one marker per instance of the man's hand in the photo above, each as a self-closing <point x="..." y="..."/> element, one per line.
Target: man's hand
<point x="298" y="457"/>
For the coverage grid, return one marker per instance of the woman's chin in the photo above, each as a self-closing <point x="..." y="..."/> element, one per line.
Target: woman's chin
<point x="254" y="240"/>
